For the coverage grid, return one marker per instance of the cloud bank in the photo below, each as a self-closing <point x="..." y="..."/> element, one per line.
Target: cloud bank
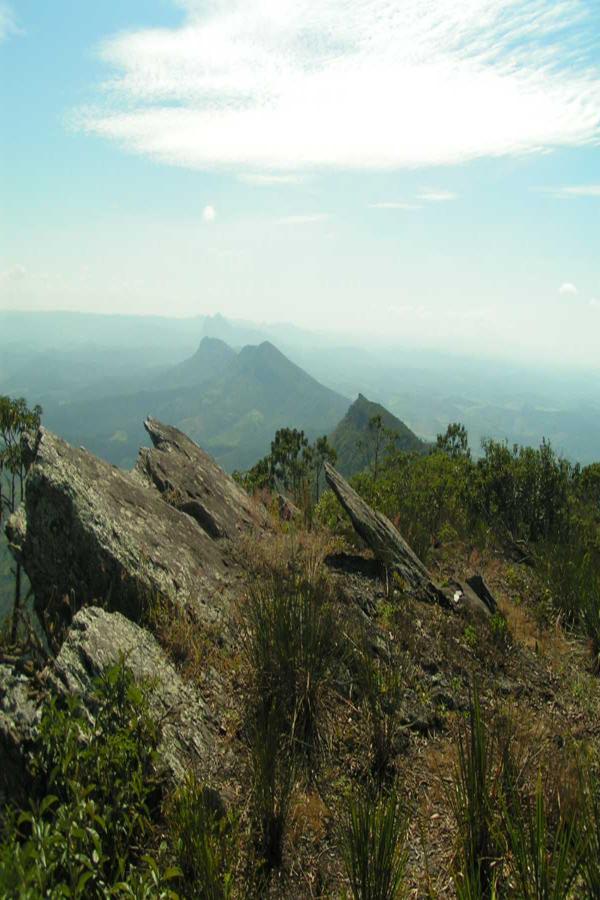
<point x="8" y="24"/>
<point x="291" y="85"/>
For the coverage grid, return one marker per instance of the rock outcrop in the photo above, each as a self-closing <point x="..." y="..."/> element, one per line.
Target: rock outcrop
<point x="98" y="639"/>
<point x="19" y="717"/>
<point x="191" y="481"/>
<point x="384" y="539"/>
<point x="91" y="533"/>
<point x="391" y="549"/>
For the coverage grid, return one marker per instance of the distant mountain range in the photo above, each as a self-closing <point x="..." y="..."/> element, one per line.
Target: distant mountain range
<point x="230" y="403"/>
<point x="353" y="440"/>
<point x="78" y="362"/>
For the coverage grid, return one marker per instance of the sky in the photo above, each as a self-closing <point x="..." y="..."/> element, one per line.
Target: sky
<point x="421" y="171"/>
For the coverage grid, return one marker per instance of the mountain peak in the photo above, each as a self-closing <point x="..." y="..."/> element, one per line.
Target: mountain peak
<point x="351" y="436"/>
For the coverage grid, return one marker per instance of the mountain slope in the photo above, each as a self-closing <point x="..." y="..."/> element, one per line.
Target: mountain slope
<point x="354" y="441"/>
<point x="211" y="359"/>
<point x="231" y="404"/>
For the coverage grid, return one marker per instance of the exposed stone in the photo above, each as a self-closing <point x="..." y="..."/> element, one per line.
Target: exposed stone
<point x="98" y="639"/>
<point x="19" y="717"/>
<point x="384" y="539"/>
<point x="191" y="481"/>
<point x="392" y="550"/>
<point x="90" y="532"/>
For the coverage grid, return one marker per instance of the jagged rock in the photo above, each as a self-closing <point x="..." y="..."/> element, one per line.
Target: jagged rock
<point x="477" y="584"/>
<point x="98" y="639"/>
<point x="191" y="481"/>
<point x="391" y="549"/>
<point x="19" y="717"/>
<point x="384" y="539"/>
<point x="89" y="532"/>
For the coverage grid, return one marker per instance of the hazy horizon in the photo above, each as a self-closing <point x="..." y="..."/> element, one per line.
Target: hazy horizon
<point x="425" y="176"/>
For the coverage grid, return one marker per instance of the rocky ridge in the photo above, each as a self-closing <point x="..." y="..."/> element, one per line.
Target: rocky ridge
<point x="102" y="546"/>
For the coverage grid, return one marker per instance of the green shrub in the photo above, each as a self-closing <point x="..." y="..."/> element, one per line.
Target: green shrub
<point x="474" y="800"/>
<point x="373" y="846"/>
<point x="97" y="792"/>
<point x="545" y="862"/>
<point x="273" y="768"/>
<point x="380" y="685"/>
<point x="203" y="840"/>
<point x="292" y="649"/>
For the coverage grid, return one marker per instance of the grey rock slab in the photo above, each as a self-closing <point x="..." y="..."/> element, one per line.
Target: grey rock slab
<point x="384" y="539"/>
<point x="191" y="481"/>
<point x="89" y="532"/>
<point x="97" y="639"/>
<point x="19" y="718"/>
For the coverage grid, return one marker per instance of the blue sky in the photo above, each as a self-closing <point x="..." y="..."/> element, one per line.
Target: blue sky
<point x="427" y="172"/>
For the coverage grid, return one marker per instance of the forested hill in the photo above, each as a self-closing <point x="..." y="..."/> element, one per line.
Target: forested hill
<point x="365" y="424"/>
<point x="230" y="403"/>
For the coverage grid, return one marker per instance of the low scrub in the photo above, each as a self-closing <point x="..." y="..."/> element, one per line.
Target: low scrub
<point x="92" y="817"/>
<point x="373" y="840"/>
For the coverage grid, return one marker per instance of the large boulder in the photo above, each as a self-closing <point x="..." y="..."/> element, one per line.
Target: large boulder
<point x="191" y="481"/>
<point x="98" y="639"/>
<point x="89" y="532"/>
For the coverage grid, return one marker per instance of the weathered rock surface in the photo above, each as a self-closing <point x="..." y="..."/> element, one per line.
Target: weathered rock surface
<point x="391" y="549"/>
<point x="191" y="481"/>
<point x="384" y="539"/>
<point x="98" y="639"/>
<point x="90" y="532"/>
<point x="19" y="717"/>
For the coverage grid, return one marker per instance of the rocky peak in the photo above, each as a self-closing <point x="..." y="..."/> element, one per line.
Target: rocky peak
<point x="91" y="533"/>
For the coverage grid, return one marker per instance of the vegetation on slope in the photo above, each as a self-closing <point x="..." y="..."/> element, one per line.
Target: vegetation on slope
<point x="378" y="746"/>
<point x="366" y="432"/>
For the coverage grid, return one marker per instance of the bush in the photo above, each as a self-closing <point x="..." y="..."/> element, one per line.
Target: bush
<point x="381" y="685"/>
<point x="545" y="862"/>
<point x="291" y="647"/>
<point x="373" y="846"/>
<point x="474" y="800"/>
<point x="87" y="829"/>
<point x="273" y="773"/>
<point x="203" y="839"/>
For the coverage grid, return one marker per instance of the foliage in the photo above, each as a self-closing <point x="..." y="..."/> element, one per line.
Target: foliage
<point x="455" y="441"/>
<point x="96" y="793"/>
<point x="381" y="684"/>
<point x="15" y="419"/>
<point x="373" y="846"/>
<point x="545" y="861"/>
<point x="291" y="649"/>
<point x="203" y="839"/>
<point x="474" y="800"/>
<point x="273" y="769"/>
<point x="293" y="467"/>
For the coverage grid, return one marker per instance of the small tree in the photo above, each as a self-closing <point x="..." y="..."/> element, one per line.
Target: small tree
<point x="15" y="419"/>
<point x="322" y="452"/>
<point x="455" y="442"/>
<point x="289" y="458"/>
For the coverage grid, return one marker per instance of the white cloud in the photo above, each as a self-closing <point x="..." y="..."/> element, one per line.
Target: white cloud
<point x="567" y="289"/>
<point x="429" y="195"/>
<point x="570" y="192"/>
<point x="269" y="179"/>
<point x="8" y="23"/>
<point x="13" y="274"/>
<point x="209" y="214"/>
<point x="395" y="204"/>
<point x="280" y="85"/>
<point x="302" y="219"/>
